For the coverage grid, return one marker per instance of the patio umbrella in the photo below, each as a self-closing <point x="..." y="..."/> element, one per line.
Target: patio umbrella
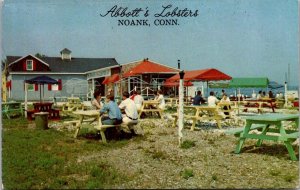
<point x="41" y="80"/>
<point x="274" y="85"/>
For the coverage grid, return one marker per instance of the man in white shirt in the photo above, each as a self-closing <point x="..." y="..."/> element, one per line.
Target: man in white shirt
<point x="212" y="100"/>
<point x="131" y="114"/>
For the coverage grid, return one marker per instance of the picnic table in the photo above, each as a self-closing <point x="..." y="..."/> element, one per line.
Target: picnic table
<point x="259" y="104"/>
<point x="150" y="106"/>
<point x="171" y="101"/>
<point x="11" y="107"/>
<point x="202" y="113"/>
<point x="270" y="123"/>
<point x="73" y="104"/>
<point x="43" y="107"/>
<point x="93" y="115"/>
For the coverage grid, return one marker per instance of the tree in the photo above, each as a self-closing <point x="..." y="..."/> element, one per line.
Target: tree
<point x="39" y="55"/>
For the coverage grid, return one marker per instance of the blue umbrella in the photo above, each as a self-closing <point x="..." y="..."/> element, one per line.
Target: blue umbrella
<point x="41" y="80"/>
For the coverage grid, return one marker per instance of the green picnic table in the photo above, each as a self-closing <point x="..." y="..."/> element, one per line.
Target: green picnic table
<point x="11" y="107"/>
<point x="270" y="123"/>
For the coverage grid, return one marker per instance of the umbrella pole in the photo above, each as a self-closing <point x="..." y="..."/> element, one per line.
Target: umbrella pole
<point x="26" y="95"/>
<point x="40" y="94"/>
<point x="43" y="93"/>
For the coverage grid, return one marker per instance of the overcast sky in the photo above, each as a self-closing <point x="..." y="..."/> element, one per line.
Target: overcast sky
<point x="242" y="38"/>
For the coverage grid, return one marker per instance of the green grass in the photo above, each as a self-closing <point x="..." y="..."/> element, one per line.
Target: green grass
<point x="187" y="144"/>
<point x="37" y="159"/>
<point x="187" y="173"/>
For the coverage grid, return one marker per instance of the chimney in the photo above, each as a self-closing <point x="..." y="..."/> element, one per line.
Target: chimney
<point x="178" y="64"/>
<point x="66" y="54"/>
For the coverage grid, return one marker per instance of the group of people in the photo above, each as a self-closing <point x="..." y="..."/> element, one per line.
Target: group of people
<point x="130" y="105"/>
<point x="115" y="115"/>
<point x="212" y="100"/>
<point x="262" y="94"/>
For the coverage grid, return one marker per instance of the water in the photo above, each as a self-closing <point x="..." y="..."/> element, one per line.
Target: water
<point x="248" y="91"/>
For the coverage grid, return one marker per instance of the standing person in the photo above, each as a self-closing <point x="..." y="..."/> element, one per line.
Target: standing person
<point x="131" y="114"/>
<point x="223" y="92"/>
<point x="96" y="103"/>
<point x="198" y="99"/>
<point x="160" y="98"/>
<point x="138" y="100"/>
<point x="114" y="112"/>
<point x="212" y="100"/>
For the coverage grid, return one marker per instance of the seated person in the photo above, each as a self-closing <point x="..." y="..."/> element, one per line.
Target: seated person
<point x="138" y="100"/>
<point x="96" y="103"/>
<point x="114" y="112"/>
<point x="225" y="99"/>
<point x="198" y="99"/>
<point x="259" y="95"/>
<point x="131" y="114"/>
<point x="212" y="100"/>
<point x="160" y="98"/>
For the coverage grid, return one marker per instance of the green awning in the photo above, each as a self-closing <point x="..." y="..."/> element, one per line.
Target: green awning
<point x="249" y="83"/>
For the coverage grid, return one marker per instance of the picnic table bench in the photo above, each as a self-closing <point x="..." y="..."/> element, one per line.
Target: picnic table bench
<point x="152" y="107"/>
<point x="11" y="107"/>
<point x="202" y="113"/>
<point x="271" y="128"/>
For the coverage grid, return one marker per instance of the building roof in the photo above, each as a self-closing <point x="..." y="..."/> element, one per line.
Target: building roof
<point x="76" y="65"/>
<point x="66" y="50"/>
<point x="249" y="82"/>
<point x="146" y="66"/>
<point x="201" y="75"/>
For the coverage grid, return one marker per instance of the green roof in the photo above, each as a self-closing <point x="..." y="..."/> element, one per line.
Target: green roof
<point x="248" y="82"/>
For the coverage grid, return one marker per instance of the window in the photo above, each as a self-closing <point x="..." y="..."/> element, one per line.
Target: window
<point x="29" y="65"/>
<point x="54" y="87"/>
<point x="30" y="87"/>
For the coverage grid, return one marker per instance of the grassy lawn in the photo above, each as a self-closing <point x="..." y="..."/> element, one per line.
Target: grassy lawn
<point x="35" y="158"/>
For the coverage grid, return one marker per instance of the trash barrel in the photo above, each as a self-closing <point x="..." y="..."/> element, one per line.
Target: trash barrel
<point x="41" y="120"/>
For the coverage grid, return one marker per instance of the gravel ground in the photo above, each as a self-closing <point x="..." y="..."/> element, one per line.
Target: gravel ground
<point x="154" y="160"/>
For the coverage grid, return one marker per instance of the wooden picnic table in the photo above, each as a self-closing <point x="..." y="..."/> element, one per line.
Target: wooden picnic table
<point x="270" y="123"/>
<point x="259" y="104"/>
<point x="150" y="106"/>
<point x="9" y="107"/>
<point x="94" y="115"/>
<point x="73" y="100"/>
<point x="43" y="107"/>
<point x="202" y="113"/>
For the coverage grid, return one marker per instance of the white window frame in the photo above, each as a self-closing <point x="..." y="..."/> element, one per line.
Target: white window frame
<point x="27" y="62"/>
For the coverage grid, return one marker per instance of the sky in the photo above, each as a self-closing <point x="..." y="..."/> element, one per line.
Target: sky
<point x="242" y="38"/>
